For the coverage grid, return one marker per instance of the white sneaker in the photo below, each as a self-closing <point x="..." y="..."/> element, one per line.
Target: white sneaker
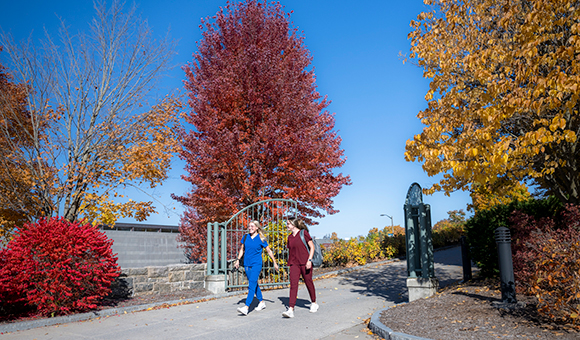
<point x="261" y="305"/>
<point x="243" y="310"/>
<point x="313" y="307"/>
<point x="289" y="313"/>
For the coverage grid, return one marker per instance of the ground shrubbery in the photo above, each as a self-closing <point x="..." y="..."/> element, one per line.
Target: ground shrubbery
<point x="546" y="257"/>
<point x="545" y="249"/>
<point x="481" y="227"/>
<point x="55" y="267"/>
<point x="448" y="231"/>
<point x="378" y="245"/>
<point x="356" y="251"/>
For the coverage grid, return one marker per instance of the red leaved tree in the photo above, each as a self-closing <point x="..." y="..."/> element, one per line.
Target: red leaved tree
<point x="260" y="128"/>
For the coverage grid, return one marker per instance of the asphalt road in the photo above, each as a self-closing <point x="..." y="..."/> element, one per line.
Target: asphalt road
<point x="346" y="301"/>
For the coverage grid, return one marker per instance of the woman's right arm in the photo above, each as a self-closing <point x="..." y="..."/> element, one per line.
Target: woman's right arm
<point x="240" y="253"/>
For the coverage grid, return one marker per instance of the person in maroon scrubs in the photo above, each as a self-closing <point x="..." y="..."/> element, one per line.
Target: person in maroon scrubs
<point x="300" y="263"/>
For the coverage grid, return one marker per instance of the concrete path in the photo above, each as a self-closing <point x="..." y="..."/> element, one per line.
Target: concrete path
<point x="346" y="301"/>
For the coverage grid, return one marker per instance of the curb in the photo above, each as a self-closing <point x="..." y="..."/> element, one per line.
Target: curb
<point x="378" y="328"/>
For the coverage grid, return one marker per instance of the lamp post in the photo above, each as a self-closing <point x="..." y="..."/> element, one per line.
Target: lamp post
<point x="392" y="226"/>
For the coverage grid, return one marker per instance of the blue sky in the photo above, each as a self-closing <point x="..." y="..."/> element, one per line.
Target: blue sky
<point x="355" y="47"/>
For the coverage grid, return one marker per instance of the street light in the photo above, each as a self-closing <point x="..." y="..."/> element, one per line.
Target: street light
<point x="392" y="226"/>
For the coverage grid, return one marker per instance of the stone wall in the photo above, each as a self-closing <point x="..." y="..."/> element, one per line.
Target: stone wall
<point x="161" y="279"/>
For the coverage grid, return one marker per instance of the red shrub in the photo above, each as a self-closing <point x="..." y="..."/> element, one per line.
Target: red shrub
<point x="556" y="281"/>
<point x="57" y="266"/>
<point x="547" y="262"/>
<point x="524" y="255"/>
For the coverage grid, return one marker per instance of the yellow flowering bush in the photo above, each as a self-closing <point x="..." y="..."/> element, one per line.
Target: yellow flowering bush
<point x="377" y="245"/>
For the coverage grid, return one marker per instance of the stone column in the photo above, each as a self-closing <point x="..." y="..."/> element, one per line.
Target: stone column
<point x="420" y="287"/>
<point x="216" y="283"/>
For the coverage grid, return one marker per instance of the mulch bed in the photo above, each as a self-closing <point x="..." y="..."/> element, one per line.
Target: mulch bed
<point x="467" y="311"/>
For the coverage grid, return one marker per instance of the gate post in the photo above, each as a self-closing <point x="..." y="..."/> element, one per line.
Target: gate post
<point x="214" y="282"/>
<point x="421" y="280"/>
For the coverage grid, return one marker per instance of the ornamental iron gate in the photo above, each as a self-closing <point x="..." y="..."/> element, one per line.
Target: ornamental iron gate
<point x="224" y="242"/>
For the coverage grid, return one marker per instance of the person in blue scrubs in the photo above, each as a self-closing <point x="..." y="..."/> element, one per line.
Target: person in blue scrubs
<point x="251" y="249"/>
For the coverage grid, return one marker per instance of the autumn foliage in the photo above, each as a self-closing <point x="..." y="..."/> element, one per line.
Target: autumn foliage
<point x="260" y="128"/>
<point x="57" y="267"/>
<point x="547" y="261"/>
<point x="378" y="245"/>
<point x="15" y="182"/>
<point x="503" y="99"/>
<point x="449" y="231"/>
<point x="76" y="124"/>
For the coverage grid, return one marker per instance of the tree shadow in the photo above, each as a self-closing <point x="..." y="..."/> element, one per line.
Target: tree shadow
<point x="389" y="281"/>
<point x="385" y="281"/>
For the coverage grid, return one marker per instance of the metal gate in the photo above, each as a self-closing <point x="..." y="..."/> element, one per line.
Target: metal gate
<point x="224" y="242"/>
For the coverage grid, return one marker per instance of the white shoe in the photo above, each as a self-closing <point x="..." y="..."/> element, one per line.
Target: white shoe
<point x="243" y="310"/>
<point x="261" y="305"/>
<point x="313" y="307"/>
<point x="289" y="313"/>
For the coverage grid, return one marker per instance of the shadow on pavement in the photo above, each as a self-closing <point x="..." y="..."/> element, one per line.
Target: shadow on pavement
<point x="389" y="281"/>
<point x="386" y="281"/>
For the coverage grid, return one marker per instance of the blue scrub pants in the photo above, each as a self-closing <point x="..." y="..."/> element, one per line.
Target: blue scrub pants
<point x="253" y="274"/>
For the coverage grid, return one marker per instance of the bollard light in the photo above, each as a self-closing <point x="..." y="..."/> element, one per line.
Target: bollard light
<point x="506" y="268"/>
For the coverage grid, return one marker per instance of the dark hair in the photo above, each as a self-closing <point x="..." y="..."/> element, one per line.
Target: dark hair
<point x="298" y="223"/>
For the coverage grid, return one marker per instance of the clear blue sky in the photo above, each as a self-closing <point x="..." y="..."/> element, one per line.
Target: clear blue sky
<point x="355" y="46"/>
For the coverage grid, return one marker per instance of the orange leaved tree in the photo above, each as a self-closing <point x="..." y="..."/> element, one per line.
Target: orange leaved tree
<point x="504" y="96"/>
<point x="18" y="197"/>
<point x="83" y="130"/>
<point x="261" y="130"/>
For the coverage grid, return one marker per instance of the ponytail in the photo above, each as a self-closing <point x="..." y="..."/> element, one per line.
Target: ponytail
<point x="298" y="223"/>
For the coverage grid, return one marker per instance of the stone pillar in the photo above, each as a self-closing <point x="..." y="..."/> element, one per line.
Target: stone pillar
<point x="216" y="283"/>
<point x="420" y="287"/>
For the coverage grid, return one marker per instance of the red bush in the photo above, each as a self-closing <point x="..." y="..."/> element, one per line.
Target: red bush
<point x="58" y="267"/>
<point x="525" y="256"/>
<point x="556" y="281"/>
<point x="547" y="262"/>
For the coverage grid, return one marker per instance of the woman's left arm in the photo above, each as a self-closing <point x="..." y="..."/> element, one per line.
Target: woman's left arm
<point x="271" y="254"/>
<point x="310" y="255"/>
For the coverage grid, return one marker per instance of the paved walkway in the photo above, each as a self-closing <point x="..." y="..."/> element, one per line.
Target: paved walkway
<point x="345" y="302"/>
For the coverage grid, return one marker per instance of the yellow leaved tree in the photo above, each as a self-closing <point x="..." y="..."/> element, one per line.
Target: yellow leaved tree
<point x="87" y="128"/>
<point x="503" y="98"/>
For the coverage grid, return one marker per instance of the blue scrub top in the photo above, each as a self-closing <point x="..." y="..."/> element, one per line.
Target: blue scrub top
<point x="253" y="250"/>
